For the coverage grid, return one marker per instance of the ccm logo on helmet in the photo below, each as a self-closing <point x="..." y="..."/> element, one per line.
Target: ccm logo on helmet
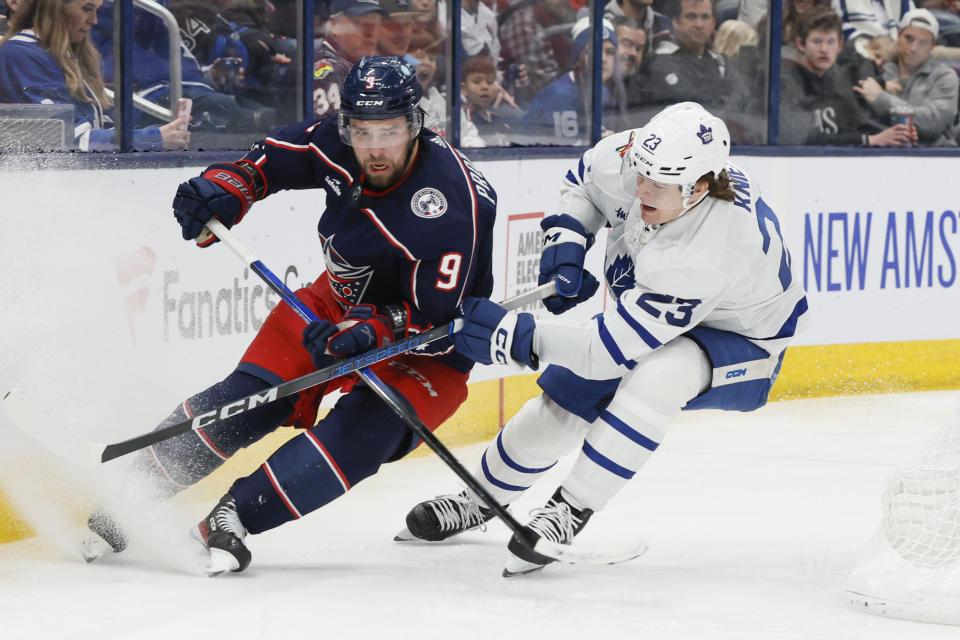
<point x="369" y="103"/>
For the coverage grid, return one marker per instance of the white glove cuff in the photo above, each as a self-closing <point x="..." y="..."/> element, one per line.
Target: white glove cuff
<point x="559" y="235"/>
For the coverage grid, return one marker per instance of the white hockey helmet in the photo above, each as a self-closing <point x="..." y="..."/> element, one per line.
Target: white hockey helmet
<point x="678" y="146"/>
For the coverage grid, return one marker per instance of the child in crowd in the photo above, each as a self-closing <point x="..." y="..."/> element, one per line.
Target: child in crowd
<point x="426" y="51"/>
<point x="882" y="50"/>
<point x="494" y="119"/>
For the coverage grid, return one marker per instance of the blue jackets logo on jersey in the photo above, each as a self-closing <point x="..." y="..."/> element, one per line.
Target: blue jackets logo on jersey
<point x="428" y="203"/>
<point x="347" y="281"/>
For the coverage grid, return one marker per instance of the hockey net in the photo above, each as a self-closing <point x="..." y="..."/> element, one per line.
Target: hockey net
<point x="911" y="567"/>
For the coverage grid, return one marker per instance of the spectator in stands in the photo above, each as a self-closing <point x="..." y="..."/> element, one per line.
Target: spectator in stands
<point x="7" y="7"/>
<point x="527" y="46"/>
<point x="46" y="57"/>
<point x="658" y="26"/>
<point x="927" y="86"/>
<point x="223" y="29"/>
<point x="479" y="89"/>
<point x="396" y="28"/>
<point x="631" y="43"/>
<point x="739" y="42"/>
<point x="793" y="9"/>
<point x="213" y="111"/>
<point x="352" y="32"/>
<point x="688" y="69"/>
<point x="882" y="49"/>
<point x="817" y="101"/>
<point x="434" y="102"/>
<point x="428" y="18"/>
<point x="558" y="114"/>
<point x="872" y="17"/>
<point x="479" y="30"/>
<point x="752" y="11"/>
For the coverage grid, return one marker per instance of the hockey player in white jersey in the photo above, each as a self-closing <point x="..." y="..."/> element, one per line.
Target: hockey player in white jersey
<point x="706" y="302"/>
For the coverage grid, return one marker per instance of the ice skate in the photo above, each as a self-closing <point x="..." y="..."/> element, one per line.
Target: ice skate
<point x="443" y="517"/>
<point x="103" y="536"/>
<point x="222" y="533"/>
<point x="557" y="521"/>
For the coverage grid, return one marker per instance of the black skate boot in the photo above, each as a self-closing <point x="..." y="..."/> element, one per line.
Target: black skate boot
<point x="104" y="536"/>
<point x="222" y="534"/>
<point x="557" y="521"/>
<point x="443" y="517"/>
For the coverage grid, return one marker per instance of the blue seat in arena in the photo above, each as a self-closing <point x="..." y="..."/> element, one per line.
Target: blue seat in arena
<point x="727" y="10"/>
<point x="949" y="28"/>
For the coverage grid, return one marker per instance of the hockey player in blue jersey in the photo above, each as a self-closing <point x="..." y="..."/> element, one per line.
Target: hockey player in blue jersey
<point x="406" y="236"/>
<point x="706" y="301"/>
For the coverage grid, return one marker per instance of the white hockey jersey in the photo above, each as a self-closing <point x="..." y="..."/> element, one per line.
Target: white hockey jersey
<point x="722" y="265"/>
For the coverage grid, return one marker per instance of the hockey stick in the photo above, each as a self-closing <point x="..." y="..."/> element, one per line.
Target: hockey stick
<point x="546" y="548"/>
<point x="285" y="389"/>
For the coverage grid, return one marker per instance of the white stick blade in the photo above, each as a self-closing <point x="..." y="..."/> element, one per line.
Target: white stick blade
<point x="583" y="554"/>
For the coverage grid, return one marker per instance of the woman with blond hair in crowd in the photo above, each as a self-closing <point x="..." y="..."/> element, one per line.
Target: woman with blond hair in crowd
<point x="732" y="35"/>
<point x="47" y="58"/>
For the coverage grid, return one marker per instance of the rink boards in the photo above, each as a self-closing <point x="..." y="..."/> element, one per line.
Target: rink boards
<point x="105" y="301"/>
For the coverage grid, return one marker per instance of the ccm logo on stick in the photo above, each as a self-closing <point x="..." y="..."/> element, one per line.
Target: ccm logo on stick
<point x="234" y="408"/>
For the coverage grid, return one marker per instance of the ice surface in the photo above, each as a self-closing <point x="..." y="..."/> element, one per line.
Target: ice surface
<point x="754" y="522"/>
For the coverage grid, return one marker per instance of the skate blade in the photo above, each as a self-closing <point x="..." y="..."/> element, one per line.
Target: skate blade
<point x="516" y="567"/>
<point x="211" y="562"/>
<point x="220" y="561"/>
<point x="404" y="535"/>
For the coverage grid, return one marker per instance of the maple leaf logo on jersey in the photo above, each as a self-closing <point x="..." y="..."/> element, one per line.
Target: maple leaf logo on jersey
<point x="347" y="281"/>
<point x="623" y="150"/>
<point x="620" y="275"/>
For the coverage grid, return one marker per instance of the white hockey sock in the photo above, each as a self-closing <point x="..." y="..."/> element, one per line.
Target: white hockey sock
<point x="527" y="447"/>
<point x="620" y="442"/>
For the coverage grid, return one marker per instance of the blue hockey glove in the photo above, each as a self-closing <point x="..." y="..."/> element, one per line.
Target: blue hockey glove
<point x="492" y="335"/>
<point x="315" y="338"/>
<point x="565" y="244"/>
<point x="224" y="191"/>
<point x="360" y="329"/>
<point x="559" y="304"/>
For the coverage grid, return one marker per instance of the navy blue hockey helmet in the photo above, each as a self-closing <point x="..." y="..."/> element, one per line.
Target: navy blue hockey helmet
<point x="380" y="88"/>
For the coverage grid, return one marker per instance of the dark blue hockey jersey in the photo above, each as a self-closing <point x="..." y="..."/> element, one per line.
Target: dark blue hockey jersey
<point x="426" y="241"/>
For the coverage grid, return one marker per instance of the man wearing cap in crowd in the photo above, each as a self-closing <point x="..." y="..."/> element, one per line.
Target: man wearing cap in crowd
<point x="397" y="27"/>
<point x="914" y="80"/>
<point x="352" y="32"/>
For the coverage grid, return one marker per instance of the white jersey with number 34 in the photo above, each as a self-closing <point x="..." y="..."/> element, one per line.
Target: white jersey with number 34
<point x="722" y="265"/>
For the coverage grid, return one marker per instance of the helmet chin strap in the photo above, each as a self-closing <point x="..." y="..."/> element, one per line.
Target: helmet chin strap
<point x="688" y="198"/>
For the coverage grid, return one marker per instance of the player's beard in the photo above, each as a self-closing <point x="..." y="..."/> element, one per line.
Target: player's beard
<point x="398" y="167"/>
<point x="385" y="180"/>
